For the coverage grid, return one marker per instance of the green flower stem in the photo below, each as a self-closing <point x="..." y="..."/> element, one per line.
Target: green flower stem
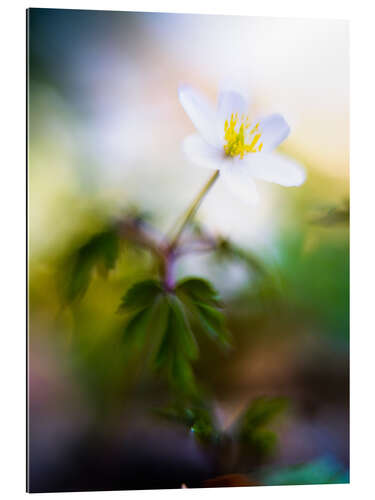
<point x="192" y="210"/>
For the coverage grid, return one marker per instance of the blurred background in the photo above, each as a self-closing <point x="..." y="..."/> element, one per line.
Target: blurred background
<point x="105" y="132"/>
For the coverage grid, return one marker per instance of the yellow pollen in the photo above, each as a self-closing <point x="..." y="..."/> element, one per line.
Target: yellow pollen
<point x="236" y="135"/>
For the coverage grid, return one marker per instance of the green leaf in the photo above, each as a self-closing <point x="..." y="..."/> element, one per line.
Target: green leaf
<point x="159" y="325"/>
<point x="251" y="429"/>
<point x="136" y="328"/>
<point x="202" y="300"/>
<point x="177" y="350"/>
<point x="100" y="251"/>
<point x="197" y="419"/>
<point x="106" y="247"/>
<point x="262" y="411"/>
<point x="76" y="279"/>
<point x="262" y="441"/>
<point x="140" y="295"/>
<point x="203" y="427"/>
<point x="179" y="341"/>
<point x="143" y="333"/>
<point x="180" y="327"/>
<point x="181" y="375"/>
<point x="199" y="290"/>
<point x="176" y="366"/>
<point x="213" y="322"/>
<point x="166" y="348"/>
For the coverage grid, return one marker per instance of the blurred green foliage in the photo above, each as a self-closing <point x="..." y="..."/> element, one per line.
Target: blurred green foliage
<point x="164" y="328"/>
<point x="252" y="429"/>
<point x="160" y="333"/>
<point x="304" y="276"/>
<point x="197" y="419"/>
<point x="100" y="252"/>
<point x="249" y="431"/>
<point x="339" y="214"/>
<point x="317" y="280"/>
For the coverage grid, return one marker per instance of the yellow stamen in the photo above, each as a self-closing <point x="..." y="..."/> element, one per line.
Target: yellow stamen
<point x="234" y="135"/>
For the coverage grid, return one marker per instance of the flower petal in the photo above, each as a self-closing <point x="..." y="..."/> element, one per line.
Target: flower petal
<point x="229" y="102"/>
<point x="200" y="112"/>
<point x="236" y="176"/>
<point x="201" y="153"/>
<point x="275" y="167"/>
<point x="274" y="130"/>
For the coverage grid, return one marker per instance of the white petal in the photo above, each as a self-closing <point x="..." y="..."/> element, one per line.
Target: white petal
<point x="275" y="167"/>
<point x="236" y="176"/>
<point x="201" y="153"/>
<point x="274" y="130"/>
<point x="200" y="112"/>
<point x="229" y="102"/>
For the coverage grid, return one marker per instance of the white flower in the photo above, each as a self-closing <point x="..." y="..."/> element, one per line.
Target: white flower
<point x="241" y="150"/>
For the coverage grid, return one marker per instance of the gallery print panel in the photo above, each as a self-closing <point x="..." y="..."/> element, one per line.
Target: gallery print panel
<point x="188" y="253"/>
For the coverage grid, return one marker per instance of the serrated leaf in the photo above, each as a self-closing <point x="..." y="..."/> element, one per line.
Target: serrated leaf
<point x="107" y="247"/>
<point x="181" y="329"/>
<point x="159" y="324"/>
<point x="178" y="340"/>
<point x="202" y="300"/>
<point x="181" y="375"/>
<point x="100" y="251"/>
<point x="166" y="348"/>
<point x="136" y="328"/>
<point x="199" y="290"/>
<point x="77" y="279"/>
<point x="177" y="350"/>
<point x="213" y="322"/>
<point x="140" y="295"/>
<point x="145" y="329"/>
<point x="175" y="365"/>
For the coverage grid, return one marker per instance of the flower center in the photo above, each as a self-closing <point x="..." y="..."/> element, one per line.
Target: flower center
<point x="239" y="139"/>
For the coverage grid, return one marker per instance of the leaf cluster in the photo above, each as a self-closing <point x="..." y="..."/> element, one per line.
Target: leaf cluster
<point x="252" y="427"/>
<point x="197" y="419"/>
<point x="162" y="323"/>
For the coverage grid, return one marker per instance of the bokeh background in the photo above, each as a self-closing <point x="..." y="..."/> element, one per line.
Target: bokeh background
<point x="104" y="139"/>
